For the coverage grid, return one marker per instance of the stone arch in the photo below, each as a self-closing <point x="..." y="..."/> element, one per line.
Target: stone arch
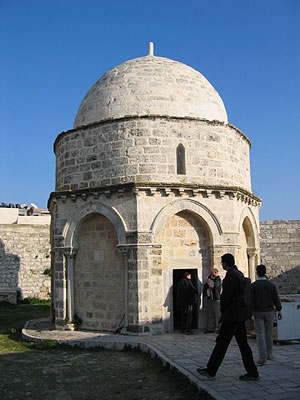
<point x="81" y="213"/>
<point x="73" y="259"/>
<point x="248" y="242"/>
<point x="186" y="231"/>
<point x="99" y="274"/>
<point x="248" y="215"/>
<point x="209" y="219"/>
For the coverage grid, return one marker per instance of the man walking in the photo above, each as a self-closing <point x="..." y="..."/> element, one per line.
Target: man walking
<point x="233" y="317"/>
<point x="264" y="298"/>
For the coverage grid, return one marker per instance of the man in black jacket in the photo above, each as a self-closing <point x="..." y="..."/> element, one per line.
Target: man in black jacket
<point x="233" y="317"/>
<point x="186" y="296"/>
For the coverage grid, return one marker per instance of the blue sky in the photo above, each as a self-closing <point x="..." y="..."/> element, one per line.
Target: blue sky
<point x="52" y="51"/>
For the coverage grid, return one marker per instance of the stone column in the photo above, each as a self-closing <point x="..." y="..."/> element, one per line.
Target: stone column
<point x="125" y="251"/>
<point x="251" y="252"/>
<point x="70" y="254"/>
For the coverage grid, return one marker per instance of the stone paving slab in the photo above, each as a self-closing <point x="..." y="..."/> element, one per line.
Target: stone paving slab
<point x="279" y="379"/>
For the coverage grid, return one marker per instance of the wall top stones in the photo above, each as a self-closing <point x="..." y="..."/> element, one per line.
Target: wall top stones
<point x="151" y="85"/>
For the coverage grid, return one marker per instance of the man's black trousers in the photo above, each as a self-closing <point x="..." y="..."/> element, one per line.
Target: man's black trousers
<point x="227" y="331"/>
<point x="186" y="313"/>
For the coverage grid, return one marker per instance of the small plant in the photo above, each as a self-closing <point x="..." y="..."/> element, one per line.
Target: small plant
<point x="77" y="321"/>
<point x="47" y="272"/>
<point x="45" y="345"/>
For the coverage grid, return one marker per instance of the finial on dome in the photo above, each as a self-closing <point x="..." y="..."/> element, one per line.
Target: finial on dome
<point x="150" y="49"/>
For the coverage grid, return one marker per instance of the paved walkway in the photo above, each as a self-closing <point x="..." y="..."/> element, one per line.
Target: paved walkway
<point x="279" y="379"/>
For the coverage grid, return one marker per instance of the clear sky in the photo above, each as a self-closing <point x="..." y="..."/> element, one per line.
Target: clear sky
<point x="53" y="51"/>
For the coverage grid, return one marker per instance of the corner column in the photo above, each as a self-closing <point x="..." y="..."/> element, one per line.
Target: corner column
<point x="70" y="254"/>
<point x="251" y="257"/>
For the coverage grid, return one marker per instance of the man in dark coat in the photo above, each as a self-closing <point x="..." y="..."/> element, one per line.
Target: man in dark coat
<point x="233" y="317"/>
<point x="186" y="296"/>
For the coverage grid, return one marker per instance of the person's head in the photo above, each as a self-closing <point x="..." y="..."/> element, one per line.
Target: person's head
<point x="187" y="275"/>
<point x="214" y="272"/>
<point x="227" y="261"/>
<point x="261" y="270"/>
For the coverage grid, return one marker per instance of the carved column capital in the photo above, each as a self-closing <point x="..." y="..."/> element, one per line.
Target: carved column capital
<point x="251" y="252"/>
<point x="70" y="252"/>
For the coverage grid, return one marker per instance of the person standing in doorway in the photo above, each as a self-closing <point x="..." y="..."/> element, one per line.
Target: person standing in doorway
<point x="265" y="300"/>
<point x="186" y="296"/>
<point x="233" y="317"/>
<point x="212" y="294"/>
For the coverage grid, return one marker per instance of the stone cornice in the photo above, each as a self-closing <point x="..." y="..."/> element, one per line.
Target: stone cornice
<point x="131" y="117"/>
<point x="156" y="189"/>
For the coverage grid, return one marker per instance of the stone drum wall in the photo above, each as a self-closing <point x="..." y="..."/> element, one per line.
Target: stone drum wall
<point x="280" y="252"/>
<point x="24" y="261"/>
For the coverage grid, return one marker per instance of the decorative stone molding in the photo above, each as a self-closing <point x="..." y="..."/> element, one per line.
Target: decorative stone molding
<point x="159" y="190"/>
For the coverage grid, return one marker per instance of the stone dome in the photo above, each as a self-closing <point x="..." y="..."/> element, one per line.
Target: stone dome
<point x="151" y="85"/>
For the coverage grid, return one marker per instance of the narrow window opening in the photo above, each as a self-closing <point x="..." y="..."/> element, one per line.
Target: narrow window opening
<point x="180" y="155"/>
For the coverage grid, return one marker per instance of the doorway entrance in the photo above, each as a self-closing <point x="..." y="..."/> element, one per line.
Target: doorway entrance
<point x="177" y="275"/>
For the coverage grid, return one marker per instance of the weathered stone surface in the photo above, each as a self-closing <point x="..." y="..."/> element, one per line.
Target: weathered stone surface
<point x="151" y="86"/>
<point x="224" y="161"/>
<point x="280" y="252"/>
<point x="25" y="260"/>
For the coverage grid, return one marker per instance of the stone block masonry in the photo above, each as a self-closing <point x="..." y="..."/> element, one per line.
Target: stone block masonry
<point x="280" y="252"/>
<point x="24" y="261"/>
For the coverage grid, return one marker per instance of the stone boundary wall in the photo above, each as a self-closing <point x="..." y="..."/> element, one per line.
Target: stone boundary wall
<point x="280" y="252"/>
<point x="24" y="261"/>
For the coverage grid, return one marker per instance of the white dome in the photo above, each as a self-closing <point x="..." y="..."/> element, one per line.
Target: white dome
<point x="151" y="85"/>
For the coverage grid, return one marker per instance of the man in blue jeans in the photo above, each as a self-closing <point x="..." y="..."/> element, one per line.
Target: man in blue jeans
<point x="264" y="298"/>
<point x="233" y="317"/>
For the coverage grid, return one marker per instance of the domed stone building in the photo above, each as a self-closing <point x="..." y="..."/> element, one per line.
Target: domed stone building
<point x="151" y="181"/>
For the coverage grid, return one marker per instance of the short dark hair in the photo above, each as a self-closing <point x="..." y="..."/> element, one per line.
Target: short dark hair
<point x="228" y="259"/>
<point x="187" y="273"/>
<point x="261" y="270"/>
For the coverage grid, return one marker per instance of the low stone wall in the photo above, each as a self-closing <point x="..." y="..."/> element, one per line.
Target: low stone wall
<point x="24" y="261"/>
<point x="280" y="252"/>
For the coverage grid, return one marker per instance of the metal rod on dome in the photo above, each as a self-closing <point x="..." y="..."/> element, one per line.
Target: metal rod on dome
<point x="150" y="49"/>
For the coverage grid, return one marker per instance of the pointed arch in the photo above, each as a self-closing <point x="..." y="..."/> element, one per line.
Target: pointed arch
<point x="247" y="217"/>
<point x="209" y="219"/>
<point x="79" y="215"/>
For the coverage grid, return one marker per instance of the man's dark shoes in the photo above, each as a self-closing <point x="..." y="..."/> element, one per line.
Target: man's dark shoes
<point x="188" y="332"/>
<point x="209" y="332"/>
<point x="204" y="372"/>
<point x="248" y="377"/>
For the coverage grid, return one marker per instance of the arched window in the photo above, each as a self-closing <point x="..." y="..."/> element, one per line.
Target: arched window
<point x="180" y="158"/>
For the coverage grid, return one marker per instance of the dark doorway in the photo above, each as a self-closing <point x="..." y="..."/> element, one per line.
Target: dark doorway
<point x="177" y="275"/>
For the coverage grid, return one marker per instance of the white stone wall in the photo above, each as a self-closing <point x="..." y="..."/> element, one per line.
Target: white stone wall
<point x="24" y="260"/>
<point x="280" y="252"/>
<point x="143" y="150"/>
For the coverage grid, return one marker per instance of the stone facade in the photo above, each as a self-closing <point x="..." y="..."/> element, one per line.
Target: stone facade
<point x="24" y="261"/>
<point x="280" y="252"/>
<point x="151" y="181"/>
